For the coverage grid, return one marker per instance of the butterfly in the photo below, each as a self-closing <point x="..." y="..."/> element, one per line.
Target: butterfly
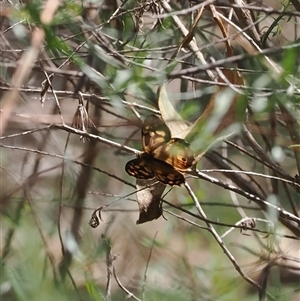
<point x="164" y="157"/>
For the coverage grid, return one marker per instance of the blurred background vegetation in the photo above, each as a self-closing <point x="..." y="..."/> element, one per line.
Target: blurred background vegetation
<point x="72" y="71"/>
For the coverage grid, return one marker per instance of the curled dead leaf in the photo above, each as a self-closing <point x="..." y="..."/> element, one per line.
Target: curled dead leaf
<point x="149" y="192"/>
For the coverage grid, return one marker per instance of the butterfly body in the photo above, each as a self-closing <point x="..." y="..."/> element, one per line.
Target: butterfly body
<point x="164" y="157"/>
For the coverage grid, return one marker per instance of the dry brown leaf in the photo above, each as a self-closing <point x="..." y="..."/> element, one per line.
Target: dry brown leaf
<point x="149" y="194"/>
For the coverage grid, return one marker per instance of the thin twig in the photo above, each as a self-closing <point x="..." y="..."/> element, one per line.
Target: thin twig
<point x="219" y="240"/>
<point x="281" y="212"/>
<point x="68" y="159"/>
<point x="293" y="183"/>
<point x="129" y="294"/>
<point x="147" y="265"/>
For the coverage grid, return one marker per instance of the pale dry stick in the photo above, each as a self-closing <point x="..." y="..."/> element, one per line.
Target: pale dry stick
<point x="66" y="159"/>
<point x="245" y="219"/>
<point x="92" y="136"/>
<point x="46" y="120"/>
<point x="55" y="119"/>
<point x="113" y="16"/>
<point x="233" y="196"/>
<point x="98" y="138"/>
<point x="26" y="62"/>
<point x="218" y="63"/>
<point x="129" y="294"/>
<point x="109" y="265"/>
<point x="147" y="265"/>
<point x="219" y="240"/>
<point x="185" y="32"/>
<point x="25" y="133"/>
<point x="183" y="12"/>
<point x="252" y="173"/>
<point x="12" y="26"/>
<point x="189" y="36"/>
<point x="135" y="111"/>
<point x="226" y="81"/>
<point x="235" y="201"/>
<point x="186" y="220"/>
<point x="56" y="70"/>
<point x="245" y="18"/>
<point x="55" y="97"/>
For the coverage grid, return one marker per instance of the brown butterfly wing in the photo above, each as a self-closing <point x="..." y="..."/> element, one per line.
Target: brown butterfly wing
<point x="155" y="133"/>
<point x="176" y="152"/>
<point x="139" y="168"/>
<point x="166" y="173"/>
<point x="147" y="167"/>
